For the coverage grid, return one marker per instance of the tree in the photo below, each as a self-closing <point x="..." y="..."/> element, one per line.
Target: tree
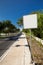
<point x="20" y="22"/>
<point x="12" y="28"/>
<point x="1" y="27"/>
<point x="7" y="27"/>
<point x="6" y="23"/>
<point x="39" y="31"/>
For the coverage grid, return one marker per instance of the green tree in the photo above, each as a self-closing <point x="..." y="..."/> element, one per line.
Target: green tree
<point x="7" y="27"/>
<point x="39" y="31"/>
<point x="20" y="22"/>
<point x="1" y="27"/>
<point x="12" y="28"/>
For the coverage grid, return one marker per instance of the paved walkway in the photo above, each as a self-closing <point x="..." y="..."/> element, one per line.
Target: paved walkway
<point x="19" y="53"/>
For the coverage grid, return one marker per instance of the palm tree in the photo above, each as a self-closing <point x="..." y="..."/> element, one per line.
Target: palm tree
<point x="20" y="22"/>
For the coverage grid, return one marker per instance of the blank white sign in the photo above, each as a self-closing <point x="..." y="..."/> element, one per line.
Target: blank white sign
<point x="30" y="21"/>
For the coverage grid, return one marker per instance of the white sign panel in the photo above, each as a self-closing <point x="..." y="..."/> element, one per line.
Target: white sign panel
<point x="30" y="21"/>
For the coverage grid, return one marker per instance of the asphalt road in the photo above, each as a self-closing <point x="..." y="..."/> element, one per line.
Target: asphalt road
<point x="6" y="43"/>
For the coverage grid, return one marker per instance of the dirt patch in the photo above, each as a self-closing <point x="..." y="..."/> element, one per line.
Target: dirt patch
<point x="36" y="51"/>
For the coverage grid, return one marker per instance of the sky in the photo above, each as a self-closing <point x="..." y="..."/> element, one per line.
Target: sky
<point x="15" y="9"/>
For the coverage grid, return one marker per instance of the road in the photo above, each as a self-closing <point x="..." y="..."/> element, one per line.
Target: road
<point x="6" y="43"/>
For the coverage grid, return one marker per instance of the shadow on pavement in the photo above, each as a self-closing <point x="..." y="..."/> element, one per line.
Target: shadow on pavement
<point x="21" y="45"/>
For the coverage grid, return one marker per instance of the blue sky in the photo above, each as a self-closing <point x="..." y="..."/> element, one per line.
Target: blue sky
<point x="14" y="9"/>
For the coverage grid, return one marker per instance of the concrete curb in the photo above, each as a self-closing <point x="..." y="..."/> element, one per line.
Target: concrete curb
<point x="38" y="39"/>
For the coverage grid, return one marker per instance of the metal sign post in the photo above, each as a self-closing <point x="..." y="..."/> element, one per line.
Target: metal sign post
<point x="30" y="38"/>
<point x="30" y="22"/>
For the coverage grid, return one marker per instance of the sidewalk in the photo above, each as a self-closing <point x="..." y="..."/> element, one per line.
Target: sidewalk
<point x="19" y="53"/>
